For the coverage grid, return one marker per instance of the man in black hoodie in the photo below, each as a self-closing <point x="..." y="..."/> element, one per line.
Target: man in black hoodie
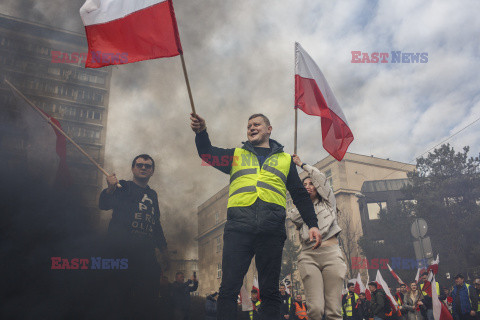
<point x="135" y="233"/>
<point x="379" y="303"/>
<point x="260" y="175"/>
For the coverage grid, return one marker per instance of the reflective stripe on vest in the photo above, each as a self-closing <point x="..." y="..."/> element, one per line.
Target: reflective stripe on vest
<point x="425" y="293"/>
<point x="250" y="313"/>
<point x="300" y="312"/>
<point x="478" y="308"/>
<point x="248" y="181"/>
<point x="348" y="306"/>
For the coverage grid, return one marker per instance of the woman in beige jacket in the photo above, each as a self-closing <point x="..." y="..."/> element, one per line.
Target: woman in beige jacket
<point x="413" y="303"/>
<point x="322" y="269"/>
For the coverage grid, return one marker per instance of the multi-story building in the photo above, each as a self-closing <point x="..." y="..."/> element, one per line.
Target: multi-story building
<point x="43" y="63"/>
<point x="346" y="178"/>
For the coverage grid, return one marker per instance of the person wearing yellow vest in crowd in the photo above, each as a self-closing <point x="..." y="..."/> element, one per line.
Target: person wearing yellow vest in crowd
<point x="400" y="296"/>
<point x="254" y="313"/>
<point x="299" y="309"/>
<point x="465" y="300"/>
<point x="349" y="303"/>
<point x="425" y="288"/>
<point x="477" y="288"/>
<point x="260" y="175"/>
<point x="286" y="303"/>
<point x="322" y="270"/>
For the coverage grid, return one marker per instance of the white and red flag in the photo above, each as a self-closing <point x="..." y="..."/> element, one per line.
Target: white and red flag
<point x="256" y="287"/>
<point x="440" y="311"/>
<point x="46" y="148"/>
<point x="359" y="287"/>
<point x="384" y="286"/>
<point x="395" y="275"/>
<point x="245" y="300"/>
<point x="368" y="294"/>
<point x="314" y="97"/>
<point x="125" y="31"/>
<point x="433" y="268"/>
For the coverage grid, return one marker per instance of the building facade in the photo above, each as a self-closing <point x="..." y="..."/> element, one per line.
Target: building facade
<point x="45" y="64"/>
<point x="346" y="178"/>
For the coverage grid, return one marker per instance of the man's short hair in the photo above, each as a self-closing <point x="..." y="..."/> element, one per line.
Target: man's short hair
<point x="425" y="274"/>
<point x="350" y="284"/>
<point x="362" y="294"/>
<point x="144" y="157"/>
<point x="256" y="115"/>
<point x="403" y="285"/>
<point x="254" y="291"/>
<point x="178" y="273"/>
<point x="373" y="283"/>
<point x="459" y="276"/>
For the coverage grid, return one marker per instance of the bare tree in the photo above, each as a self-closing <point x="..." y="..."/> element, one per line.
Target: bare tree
<point x="348" y="239"/>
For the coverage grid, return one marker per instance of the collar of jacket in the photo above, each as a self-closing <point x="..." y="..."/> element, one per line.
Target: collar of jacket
<point x="274" y="145"/>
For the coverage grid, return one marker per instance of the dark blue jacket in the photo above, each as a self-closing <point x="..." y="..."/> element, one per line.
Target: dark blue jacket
<point x="468" y="299"/>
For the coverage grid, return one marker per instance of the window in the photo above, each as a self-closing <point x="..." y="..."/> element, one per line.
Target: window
<point x="219" y="270"/>
<point x="374" y="209"/>
<point x="217" y="217"/>
<point x="328" y="175"/>
<point x="219" y="244"/>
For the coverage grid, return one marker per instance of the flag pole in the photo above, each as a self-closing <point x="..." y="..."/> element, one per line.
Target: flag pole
<point x="295" y="135"/>
<point x="58" y="129"/>
<point x="185" y="74"/>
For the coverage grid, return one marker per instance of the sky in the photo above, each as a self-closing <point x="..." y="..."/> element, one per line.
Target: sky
<point x="240" y="60"/>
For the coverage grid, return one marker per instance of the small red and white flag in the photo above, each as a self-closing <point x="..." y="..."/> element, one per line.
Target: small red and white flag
<point x="125" y="31"/>
<point x="255" y="286"/>
<point x="245" y="299"/>
<point x="440" y="311"/>
<point x="46" y="147"/>
<point x="395" y="275"/>
<point x="433" y="268"/>
<point x="368" y="294"/>
<point x="384" y="286"/>
<point x="359" y="287"/>
<point x="314" y="97"/>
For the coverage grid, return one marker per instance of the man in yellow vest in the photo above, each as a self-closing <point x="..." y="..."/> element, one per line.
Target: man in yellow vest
<point x="256" y="304"/>
<point x="349" y="303"/>
<point x="260" y="175"/>
<point x="477" y="288"/>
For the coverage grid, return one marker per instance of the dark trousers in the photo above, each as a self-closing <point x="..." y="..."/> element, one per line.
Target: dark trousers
<point x="465" y="316"/>
<point x="238" y="251"/>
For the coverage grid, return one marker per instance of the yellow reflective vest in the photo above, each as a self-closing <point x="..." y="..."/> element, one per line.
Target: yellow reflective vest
<point x="348" y="305"/>
<point x="249" y="181"/>
<point x="257" y="305"/>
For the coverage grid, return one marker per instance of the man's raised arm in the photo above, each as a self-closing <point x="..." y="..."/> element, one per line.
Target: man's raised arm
<point x="218" y="158"/>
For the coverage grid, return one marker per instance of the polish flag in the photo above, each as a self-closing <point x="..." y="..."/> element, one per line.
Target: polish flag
<point x="395" y="275"/>
<point x="255" y="286"/>
<point x="314" y="97"/>
<point x="125" y="31"/>
<point x="433" y="268"/>
<point x="245" y="299"/>
<point x="440" y="311"/>
<point x="46" y="148"/>
<point x="384" y="286"/>
<point x="359" y="287"/>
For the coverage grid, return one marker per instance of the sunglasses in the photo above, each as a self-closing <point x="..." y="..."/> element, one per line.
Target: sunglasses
<point x="143" y="165"/>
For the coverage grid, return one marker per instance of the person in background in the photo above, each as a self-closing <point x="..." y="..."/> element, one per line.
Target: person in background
<point x="477" y="288"/>
<point x="211" y="307"/>
<point x="363" y="306"/>
<point x="256" y="304"/>
<point x="380" y="304"/>
<point x="426" y="288"/>
<point x="413" y="306"/>
<point x="400" y="297"/>
<point x="286" y="303"/>
<point x="181" y="295"/>
<point x="165" y="298"/>
<point x="448" y="298"/>
<point x="299" y="309"/>
<point x="465" y="299"/>
<point x="349" y="303"/>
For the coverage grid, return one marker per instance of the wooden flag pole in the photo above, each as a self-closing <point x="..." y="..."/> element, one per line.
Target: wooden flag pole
<point x="295" y="135"/>
<point x="58" y="129"/>
<point x="188" y="83"/>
